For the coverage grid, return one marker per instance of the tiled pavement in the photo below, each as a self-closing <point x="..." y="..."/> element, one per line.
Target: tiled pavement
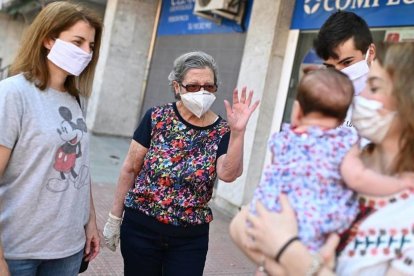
<point x="107" y="153"/>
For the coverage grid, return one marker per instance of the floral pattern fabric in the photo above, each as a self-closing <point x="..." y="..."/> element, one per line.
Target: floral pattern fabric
<point x="176" y="181"/>
<point x="305" y="166"/>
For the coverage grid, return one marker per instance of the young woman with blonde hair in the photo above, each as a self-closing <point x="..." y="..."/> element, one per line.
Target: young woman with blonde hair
<point x="47" y="217"/>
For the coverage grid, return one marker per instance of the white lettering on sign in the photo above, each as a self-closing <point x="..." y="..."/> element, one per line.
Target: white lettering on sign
<point x="398" y="2"/>
<point x="312" y="6"/>
<point x="181" y="8"/>
<point x="342" y="5"/>
<point x="393" y="2"/>
<point x="357" y="4"/>
<point x="178" y="18"/>
<point x="327" y="7"/>
<point x="181" y="5"/>
<point x="181" y="2"/>
<point x="200" y="26"/>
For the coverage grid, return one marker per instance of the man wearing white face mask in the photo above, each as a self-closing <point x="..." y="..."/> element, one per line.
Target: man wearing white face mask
<point x="345" y="43"/>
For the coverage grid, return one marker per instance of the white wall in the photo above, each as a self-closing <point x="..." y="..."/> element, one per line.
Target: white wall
<point x="11" y="31"/>
<point x="117" y="94"/>
<point x="260" y="70"/>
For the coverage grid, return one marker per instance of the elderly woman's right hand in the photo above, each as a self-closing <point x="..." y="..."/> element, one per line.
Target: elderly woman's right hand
<point x="239" y="113"/>
<point x="271" y="230"/>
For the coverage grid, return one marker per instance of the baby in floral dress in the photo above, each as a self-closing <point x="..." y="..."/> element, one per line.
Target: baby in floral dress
<point x="310" y="154"/>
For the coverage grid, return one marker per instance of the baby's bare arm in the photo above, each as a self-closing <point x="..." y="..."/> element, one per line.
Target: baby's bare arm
<point x="367" y="181"/>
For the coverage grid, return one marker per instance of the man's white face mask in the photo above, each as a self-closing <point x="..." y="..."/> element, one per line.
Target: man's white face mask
<point x="358" y="73"/>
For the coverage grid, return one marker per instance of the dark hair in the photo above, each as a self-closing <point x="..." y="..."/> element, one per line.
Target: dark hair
<point x="337" y="29"/>
<point x="326" y="91"/>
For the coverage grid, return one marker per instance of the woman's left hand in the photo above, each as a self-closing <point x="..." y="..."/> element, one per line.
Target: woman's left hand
<point x="92" y="240"/>
<point x="268" y="230"/>
<point x="242" y="240"/>
<point x="238" y="115"/>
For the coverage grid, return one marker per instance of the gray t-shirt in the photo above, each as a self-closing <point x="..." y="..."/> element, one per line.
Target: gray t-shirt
<point x="45" y="189"/>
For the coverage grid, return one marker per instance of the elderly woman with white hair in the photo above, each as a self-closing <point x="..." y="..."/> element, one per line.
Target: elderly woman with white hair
<point x="167" y="178"/>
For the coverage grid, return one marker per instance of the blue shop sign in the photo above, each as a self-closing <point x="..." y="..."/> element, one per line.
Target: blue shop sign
<point x="312" y="58"/>
<point x="177" y="18"/>
<point x="311" y="14"/>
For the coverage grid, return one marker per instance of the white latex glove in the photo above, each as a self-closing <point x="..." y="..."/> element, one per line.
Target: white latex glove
<point x="112" y="231"/>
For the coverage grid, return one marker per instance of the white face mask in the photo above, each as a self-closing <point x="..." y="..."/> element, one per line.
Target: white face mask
<point x="198" y="102"/>
<point x="368" y="121"/>
<point x="358" y="74"/>
<point x="69" y="57"/>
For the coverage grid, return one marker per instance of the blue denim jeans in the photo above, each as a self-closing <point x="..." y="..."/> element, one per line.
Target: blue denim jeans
<point x="68" y="266"/>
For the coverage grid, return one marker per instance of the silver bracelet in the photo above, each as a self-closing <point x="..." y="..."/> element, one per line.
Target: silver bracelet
<point x="316" y="265"/>
<point x="261" y="267"/>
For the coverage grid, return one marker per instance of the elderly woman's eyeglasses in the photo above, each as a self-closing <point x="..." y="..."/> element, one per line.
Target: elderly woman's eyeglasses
<point x="197" y="87"/>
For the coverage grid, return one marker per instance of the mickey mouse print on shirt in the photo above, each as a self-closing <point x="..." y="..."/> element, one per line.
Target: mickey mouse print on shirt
<point x="71" y="132"/>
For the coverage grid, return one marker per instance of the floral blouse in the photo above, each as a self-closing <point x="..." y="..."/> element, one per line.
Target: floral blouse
<point x="177" y="178"/>
<point x="305" y="166"/>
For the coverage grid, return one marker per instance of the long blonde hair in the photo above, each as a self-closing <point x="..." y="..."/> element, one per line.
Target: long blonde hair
<point x="398" y="60"/>
<point x="55" y="18"/>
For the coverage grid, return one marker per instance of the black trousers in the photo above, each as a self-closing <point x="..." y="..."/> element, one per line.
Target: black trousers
<point x="154" y="249"/>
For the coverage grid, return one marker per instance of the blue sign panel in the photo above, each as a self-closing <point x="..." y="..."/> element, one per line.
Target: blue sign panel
<point x="177" y="18"/>
<point x="312" y="58"/>
<point x="311" y="14"/>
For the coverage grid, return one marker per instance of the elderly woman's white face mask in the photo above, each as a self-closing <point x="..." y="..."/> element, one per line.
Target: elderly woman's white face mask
<point x="198" y="102"/>
<point x="199" y="86"/>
